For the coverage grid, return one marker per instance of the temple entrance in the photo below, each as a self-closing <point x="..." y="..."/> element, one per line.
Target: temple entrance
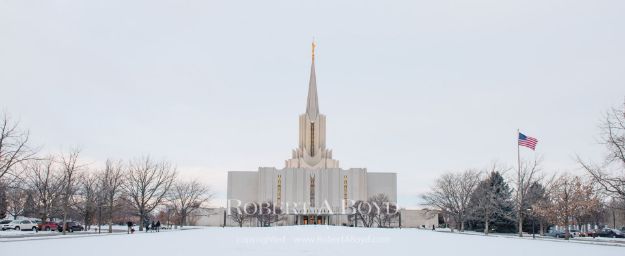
<point x="314" y="220"/>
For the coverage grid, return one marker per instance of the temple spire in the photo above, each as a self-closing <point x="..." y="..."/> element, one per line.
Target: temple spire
<point x="312" y="105"/>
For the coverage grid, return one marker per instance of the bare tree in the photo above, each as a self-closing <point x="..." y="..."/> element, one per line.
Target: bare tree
<point x="112" y="180"/>
<point x="13" y="147"/>
<point x="16" y="200"/>
<point x="266" y="213"/>
<point x="365" y="212"/>
<point x="527" y="173"/>
<point x="188" y="196"/>
<point x="451" y="194"/>
<point x="71" y="169"/>
<point x="385" y="210"/>
<point x="611" y="173"/>
<point x="45" y="179"/>
<point x="570" y="199"/>
<point x="148" y="184"/>
<point x="377" y="210"/>
<point x="239" y="215"/>
<point x="87" y="197"/>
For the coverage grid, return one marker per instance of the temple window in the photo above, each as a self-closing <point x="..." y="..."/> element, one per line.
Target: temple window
<point x="279" y="192"/>
<point x="345" y="191"/>
<point x="312" y="191"/>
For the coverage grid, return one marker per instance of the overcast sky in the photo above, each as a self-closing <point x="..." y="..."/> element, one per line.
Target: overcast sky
<point x="417" y="87"/>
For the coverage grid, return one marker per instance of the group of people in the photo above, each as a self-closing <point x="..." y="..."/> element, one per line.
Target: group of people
<point x="153" y="227"/>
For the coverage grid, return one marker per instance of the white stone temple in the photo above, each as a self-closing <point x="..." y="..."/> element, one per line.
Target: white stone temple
<point x="311" y="188"/>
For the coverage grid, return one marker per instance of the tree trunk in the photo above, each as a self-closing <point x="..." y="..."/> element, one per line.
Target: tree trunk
<point x="486" y="222"/>
<point x="450" y="226"/>
<point x="87" y="225"/>
<point x="462" y="226"/>
<point x="566" y="229"/>
<point x="141" y="220"/>
<point x="44" y="216"/>
<point x="520" y="220"/>
<point x="64" y="224"/>
<point x="99" y="219"/>
<point x="110" y="218"/>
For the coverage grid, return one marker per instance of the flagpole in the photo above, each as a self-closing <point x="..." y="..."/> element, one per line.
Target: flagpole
<point x="520" y="195"/>
<point x="518" y="149"/>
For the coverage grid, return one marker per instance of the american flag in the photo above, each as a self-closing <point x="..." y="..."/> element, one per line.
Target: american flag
<point x="527" y="141"/>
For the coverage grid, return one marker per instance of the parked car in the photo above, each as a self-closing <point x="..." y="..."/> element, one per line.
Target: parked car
<point x="20" y="225"/>
<point x="558" y="233"/>
<point x="47" y="226"/>
<point x="608" y="232"/>
<point x="71" y="227"/>
<point x="4" y="222"/>
<point x="592" y="232"/>
<point x="574" y="232"/>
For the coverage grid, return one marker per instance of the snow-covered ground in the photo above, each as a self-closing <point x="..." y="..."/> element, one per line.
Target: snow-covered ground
<point x="6" y="234"/>
<point x="305" y="240"/>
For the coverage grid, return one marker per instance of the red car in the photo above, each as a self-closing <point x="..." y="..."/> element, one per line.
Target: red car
<point x="47" y="226"/>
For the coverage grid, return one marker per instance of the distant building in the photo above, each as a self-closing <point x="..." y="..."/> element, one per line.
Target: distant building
<point x="418" y="218"/>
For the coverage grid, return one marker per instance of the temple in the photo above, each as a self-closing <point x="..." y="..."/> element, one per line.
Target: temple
<point x="311" y="188"/>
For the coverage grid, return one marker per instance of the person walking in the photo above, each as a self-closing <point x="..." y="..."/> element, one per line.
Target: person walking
<point x="158" y="226"/>
<point x="129" y="224"/>
<point x="146" y="224"/>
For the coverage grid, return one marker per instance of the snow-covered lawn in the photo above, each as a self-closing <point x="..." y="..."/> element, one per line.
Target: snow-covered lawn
<point x="305" y="240"/>
<point x="29" y="233"/>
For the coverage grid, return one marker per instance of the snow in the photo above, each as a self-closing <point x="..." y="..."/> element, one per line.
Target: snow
<point x="10" y="234"/>
<point x="306" y="240"/>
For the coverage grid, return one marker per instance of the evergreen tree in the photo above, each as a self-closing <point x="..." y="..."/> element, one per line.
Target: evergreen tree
<point x="491" y="206"/>
<point x="3" y="202"/>
<point x="536" y="197"/>
<point x="30" y="208"/>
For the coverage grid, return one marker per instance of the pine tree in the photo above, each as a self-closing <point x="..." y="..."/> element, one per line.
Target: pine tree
<point x="30" y="208"/>
<point x="491" y="206"/>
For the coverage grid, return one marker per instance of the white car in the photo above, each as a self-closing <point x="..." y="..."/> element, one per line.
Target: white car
<point x="21" y="225"/>
<point x="3" y="223"/>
